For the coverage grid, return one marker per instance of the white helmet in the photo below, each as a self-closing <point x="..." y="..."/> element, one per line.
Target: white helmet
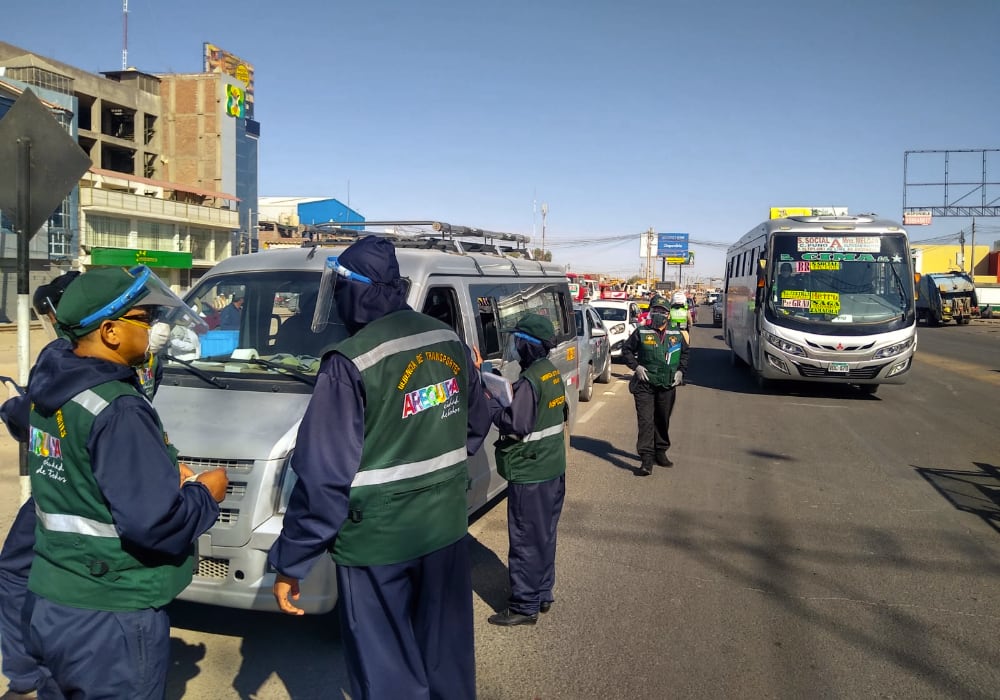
<point x="679" y="298"/>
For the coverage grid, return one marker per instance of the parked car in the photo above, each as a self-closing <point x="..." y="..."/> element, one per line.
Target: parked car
<point x="717" y="313"/>
<point x="620" y="318"/>
<point x="594" y="358"/>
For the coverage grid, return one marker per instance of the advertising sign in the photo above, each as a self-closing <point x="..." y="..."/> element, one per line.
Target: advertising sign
<point x="917" y="218"/>
<point x="785" y="212"/>
<point x="127" y="257"/>
<point x="220" y="61"/>
<point x="671" y="245"/>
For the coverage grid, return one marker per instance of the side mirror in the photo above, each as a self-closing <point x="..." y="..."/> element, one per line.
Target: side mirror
<point x="598" y="333"/>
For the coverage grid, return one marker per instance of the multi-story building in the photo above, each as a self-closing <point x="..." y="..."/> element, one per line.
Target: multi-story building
<point x="174" y="175"/>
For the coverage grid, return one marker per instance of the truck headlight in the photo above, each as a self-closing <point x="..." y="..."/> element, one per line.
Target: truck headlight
<point x="288" y="479"/>
<point x="894" y="349"/>
<point x="784" y="345"/>
<point x="618" y="328"/>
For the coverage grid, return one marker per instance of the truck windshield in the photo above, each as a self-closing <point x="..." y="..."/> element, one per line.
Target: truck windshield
<point x="821" y="281"/>
<point x="258" y="323"/>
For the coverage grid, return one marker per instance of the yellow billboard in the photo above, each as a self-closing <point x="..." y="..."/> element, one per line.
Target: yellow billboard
<point x="785" y="212"/>
<point x="220" y="61"/>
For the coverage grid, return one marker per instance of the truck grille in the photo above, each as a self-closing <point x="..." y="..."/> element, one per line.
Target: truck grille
<point x="232" y="466"/>
<point x="213" y="568"/>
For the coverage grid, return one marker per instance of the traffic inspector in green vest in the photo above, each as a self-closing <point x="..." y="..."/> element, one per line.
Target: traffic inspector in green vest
<point x="531" y="455"/>
<point x="658" y="356"/>
<point x="115" y="525"/>
<point x="380" y="457"/>
<point x="680" y="314"/>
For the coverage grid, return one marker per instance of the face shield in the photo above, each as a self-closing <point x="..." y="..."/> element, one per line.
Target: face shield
<point x="149" y="291"/>
<point x="325" y="302"/>
<point x="658" y="317"/>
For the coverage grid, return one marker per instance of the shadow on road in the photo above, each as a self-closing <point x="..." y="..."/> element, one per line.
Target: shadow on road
<point x="606" y="451"/>
<point x="974" y="492"/>
<point x="712" y="368"/>
<point x="489" y="575"/>
<point x="303" y="652"/>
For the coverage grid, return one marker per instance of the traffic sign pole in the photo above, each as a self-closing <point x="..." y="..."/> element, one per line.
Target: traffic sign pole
<point x="23" y="287"/>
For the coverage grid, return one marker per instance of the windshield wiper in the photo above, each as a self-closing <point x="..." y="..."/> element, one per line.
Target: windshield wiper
<point x="199" y="373"/>
<point x="292" y="372"/>
<point x="904" y="302"/>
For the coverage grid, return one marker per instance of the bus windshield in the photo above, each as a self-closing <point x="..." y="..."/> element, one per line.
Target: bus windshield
<point x="822" y="280"/>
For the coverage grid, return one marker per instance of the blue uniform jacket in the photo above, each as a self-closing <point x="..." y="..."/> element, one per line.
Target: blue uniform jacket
<point x="130" y="462"/>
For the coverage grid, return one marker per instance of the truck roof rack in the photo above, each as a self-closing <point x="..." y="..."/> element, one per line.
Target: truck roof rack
<point x="425" y="234"/>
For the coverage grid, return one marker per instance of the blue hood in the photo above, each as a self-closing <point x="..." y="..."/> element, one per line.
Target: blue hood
<point x="59" y="375"/>
<point x="529" y="353"/>
<point x="360" y="303"/>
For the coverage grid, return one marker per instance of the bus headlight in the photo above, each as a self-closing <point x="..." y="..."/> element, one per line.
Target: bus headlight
<point x="784" y="345"/>
<point x="894" y="349"/>
<point x="618" y="328"/>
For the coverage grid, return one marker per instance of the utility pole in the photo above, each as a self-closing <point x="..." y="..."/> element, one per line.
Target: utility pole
<point x="649" y="265"/>
<point x="972" y="265"/>
<point x="545" y="212"/>
<point x="961" y="240"/>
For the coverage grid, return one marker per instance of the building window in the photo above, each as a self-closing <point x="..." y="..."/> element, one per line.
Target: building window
<point x="107" y="232"/>
<point x="222" y="245"/>
<point x="200" y="240"/>
<point x="155" y="235"/>
<point x="60" y="243"/>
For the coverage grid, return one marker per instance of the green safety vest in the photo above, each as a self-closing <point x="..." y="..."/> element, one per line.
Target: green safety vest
<point x="679" y="315"/>
<point x="408" y="498"/>
<point x="661" y="358"/>
<point x="79" y="557"/>
<point x="540" y="455"/>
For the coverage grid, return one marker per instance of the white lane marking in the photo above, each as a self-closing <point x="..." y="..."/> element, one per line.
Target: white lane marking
<point x="593" y="409"/>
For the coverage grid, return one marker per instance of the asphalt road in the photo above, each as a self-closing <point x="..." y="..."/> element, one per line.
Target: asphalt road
<point x="809" y="543"/>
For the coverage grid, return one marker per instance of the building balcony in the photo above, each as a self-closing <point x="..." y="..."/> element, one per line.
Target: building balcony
<point x="95" y="200"/>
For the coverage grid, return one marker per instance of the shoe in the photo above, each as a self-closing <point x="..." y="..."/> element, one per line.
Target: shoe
<point x="646" y="468"/>
<point x="663" y="460"/>
<point x="509" y="619"/>
<point x="545" y="606"/>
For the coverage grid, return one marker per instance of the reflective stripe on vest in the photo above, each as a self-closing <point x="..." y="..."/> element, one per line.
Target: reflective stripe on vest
<point x="76" y="524"/>
<point x="411" y="342"/>
<point x="90" y="401"/>
<point x="407" y="471"/>
<point x="554" y="430"/>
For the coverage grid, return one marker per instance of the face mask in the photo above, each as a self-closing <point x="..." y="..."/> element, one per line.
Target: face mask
<point x="159" y="334"/>
<point x="658" y="320"/>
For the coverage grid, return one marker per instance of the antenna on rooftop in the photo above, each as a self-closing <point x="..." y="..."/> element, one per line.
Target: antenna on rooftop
<point x="124" y="34"/>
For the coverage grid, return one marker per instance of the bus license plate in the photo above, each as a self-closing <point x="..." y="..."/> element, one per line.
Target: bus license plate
<point x="839" y="367"/>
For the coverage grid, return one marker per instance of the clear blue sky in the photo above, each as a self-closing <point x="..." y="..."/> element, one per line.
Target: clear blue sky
<point x="681" y="116"/>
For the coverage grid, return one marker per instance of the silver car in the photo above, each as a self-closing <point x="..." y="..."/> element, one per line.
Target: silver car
<point x="593" y="348"/>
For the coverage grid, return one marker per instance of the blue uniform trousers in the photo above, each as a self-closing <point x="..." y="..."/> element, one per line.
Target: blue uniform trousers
<point x="407" y="628"/>
<point x="15" y="564"/>
<point x="532" y="517"/>
<point x="97" y="654"/>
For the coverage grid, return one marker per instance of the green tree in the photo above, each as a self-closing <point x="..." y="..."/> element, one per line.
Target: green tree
<point x="539" y="254"/>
